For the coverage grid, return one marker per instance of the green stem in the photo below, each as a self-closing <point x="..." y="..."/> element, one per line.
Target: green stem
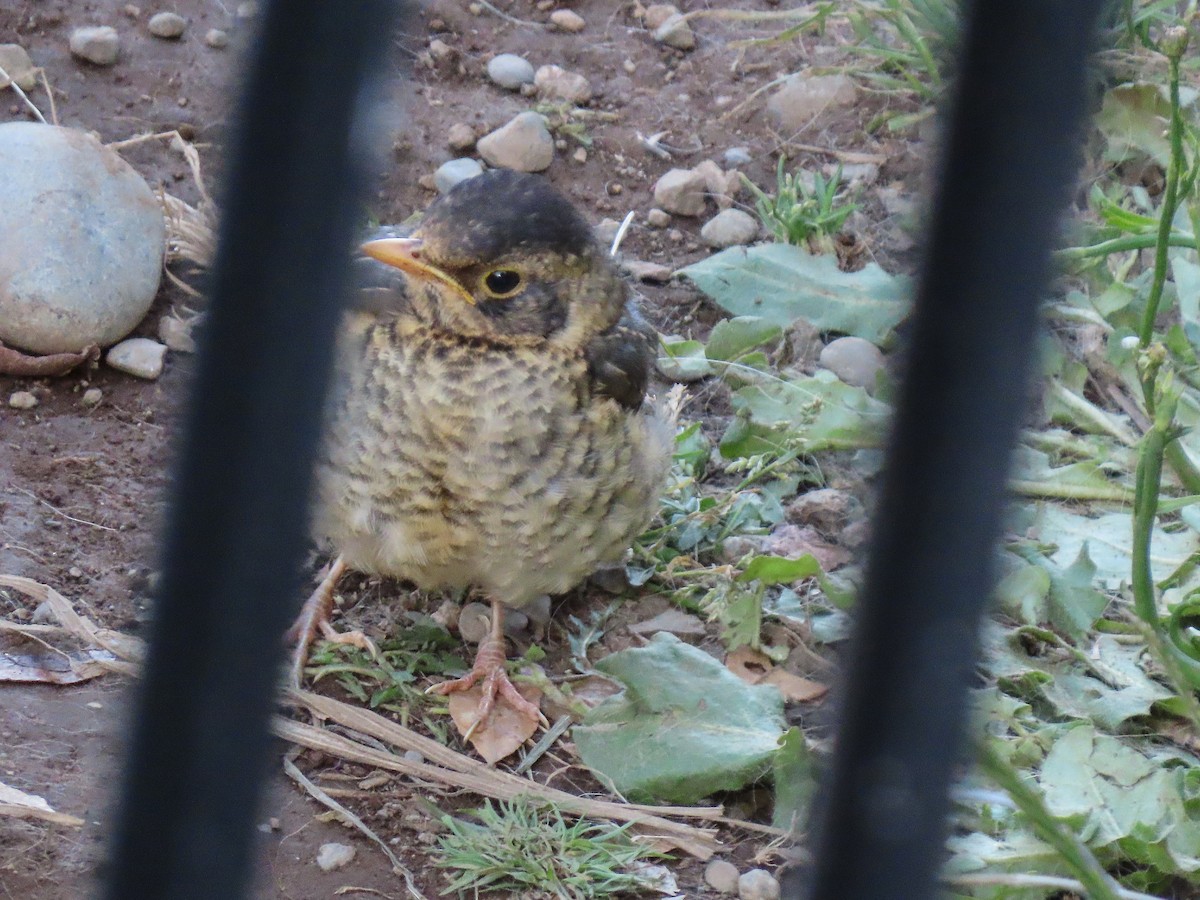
<point x="1145" y="508"/>
<point x="1129" y="242"/>
<point x="1070" y="491"/>
<point x="1074" y="852"/>
<point x="1167" y="212"/>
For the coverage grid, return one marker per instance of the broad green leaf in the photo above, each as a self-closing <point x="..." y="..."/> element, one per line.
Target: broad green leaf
<point x="1186" y="275"/>
<point x="1133" y="119"/>
<point x="684" y="361"/>
<point x="733" y="338"/>
<point x="684" y="727"/>
<point x="817" y="413"/>
<point x="1023" y="593"/>
<point x="795" y="781"/>
<point x="782" y="283"/>
<point x="772" y="570"/>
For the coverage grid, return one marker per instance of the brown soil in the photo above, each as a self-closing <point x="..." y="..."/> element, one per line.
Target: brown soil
<point x="82" y="489"/>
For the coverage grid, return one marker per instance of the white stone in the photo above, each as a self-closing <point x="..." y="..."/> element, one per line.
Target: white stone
<point x="137" y="356"/>
<point x="642" y="270"/>
<point x="567" y="20"/>
<point x="738" y="156"/>
<point x="216" y="38"/>
<point x="758" y="884"/>
<point x="98" y="44"/>
<point x="19" y="67"/>
<point x="523" y="144"/>
<point x="83" y="243"/>
<point x="802" y="99"/>
<point x="729" y="228"/>
<point x="451" y="173"/>
<point x="461" y="136"/>
<point x="92" y="397"/>
<point x="22" y="400"/>
<point x="658" y="13"/>
<point x="658" y="218"/>
<point x="474" y="622"/>
<point x="854" y="360"/>
<point x="722" y="876"/>
<point x="675" y="32"/>
<point x="606" y="230"/>
<point x="334" y="856"/>
<point x="247" y="10"/>
<point x="680" y="191"/>
<point x="556" y="83"/>
<point x="167" y="25"/>
<point x="510" y="71"/>
<point x="176" y="334"/>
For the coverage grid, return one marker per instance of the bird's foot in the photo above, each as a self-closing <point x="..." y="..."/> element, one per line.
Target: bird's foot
<point x="489" y="672"/>
<point x="314" y="620"/>
<point x="351" y="638"/>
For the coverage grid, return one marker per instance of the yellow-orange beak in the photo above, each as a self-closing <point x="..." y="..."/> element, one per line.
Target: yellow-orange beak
<point x="404" y="254"/>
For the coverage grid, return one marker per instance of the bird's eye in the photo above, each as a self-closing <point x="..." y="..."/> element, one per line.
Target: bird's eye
<point x="502" y="283"/>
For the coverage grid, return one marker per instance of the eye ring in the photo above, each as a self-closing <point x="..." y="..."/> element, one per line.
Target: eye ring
<point x="501" y="284"/>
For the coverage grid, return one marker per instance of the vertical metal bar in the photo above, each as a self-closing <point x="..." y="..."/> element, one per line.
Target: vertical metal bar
<point x="236" y="533"/>
<point x="1011" y="153"/>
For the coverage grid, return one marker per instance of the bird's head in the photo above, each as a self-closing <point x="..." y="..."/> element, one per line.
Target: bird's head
<point x="505" y="255"/>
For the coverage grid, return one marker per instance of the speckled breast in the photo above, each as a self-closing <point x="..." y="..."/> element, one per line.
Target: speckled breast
<point x="453" y="462"/>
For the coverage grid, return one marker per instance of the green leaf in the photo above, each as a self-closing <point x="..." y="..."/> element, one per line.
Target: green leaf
<point x="1133" y="119"/>
<point x="733" y="338"/>
<point x="684" y="361"/>
<point x="795" y="781"/>
<point x="779" y="569"/>
<point x="782" y="283"/>
<point x="684" y="727"/>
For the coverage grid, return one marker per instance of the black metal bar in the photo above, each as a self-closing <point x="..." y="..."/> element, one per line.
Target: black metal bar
<point x="1011" y="154"/>
<point x="236" y="533"/>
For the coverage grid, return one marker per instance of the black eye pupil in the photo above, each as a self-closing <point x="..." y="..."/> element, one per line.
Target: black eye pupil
<point x="502" y="281"/>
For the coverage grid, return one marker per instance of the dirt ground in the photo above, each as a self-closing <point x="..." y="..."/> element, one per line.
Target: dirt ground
<point x="82" y="488"/>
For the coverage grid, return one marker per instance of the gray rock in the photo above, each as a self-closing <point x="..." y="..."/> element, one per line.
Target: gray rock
<point x="658" y="218"/>
<point x="556" y="83"/>
<point x="856" y="174"/>
<point x="722" y="876"/>
<point x="644" y="270"/>
<point x="451" y="173"/>
<point x="802" y="99"/>
<point x="22" y="400"/>
<point x="461" y="136"/>
<point x="474" y="621"/>
<point x="804" y="344"/>
<point x="611" y="579"/>
<point x="681" y="191"/>
<point x="44" y="614"/>
<point x="736" y="547"/>
<point x="729" y="228"/>
<point x="176" y="334"/>
<point x="523" y="144"/>
<point x="167" y="25"/>
<point x="414" y="756"/>
<point x="675" y="32"/>
<point x="216" y="38"/>
<point x="658" y="13"/>
<point x="16" y="62"/>
<point x="333" y="856"/>
<point x="606" y="231"/>
<point x="516" y="623"/>
<point x="137" y="356"/>
<point x="567" y="20"/>
<point x="758" y="884"/>
<point x="854" y="360"/>
<point x="825" y="509"/>
<point x="738" y="156"/>
<point x="510" y="71"/>
<point x="83" y="241"/>
<point x="92" y="397"/>
<point x="247" y="10"/>
<point x="538" y="609"/>
<point x="98" y="44"/>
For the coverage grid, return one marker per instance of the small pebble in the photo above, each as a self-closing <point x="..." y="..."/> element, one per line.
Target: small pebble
<point x="474" y="622"/>
<point x="216" y="38"/>
<point x="538" y="609"/>
<point x="523" y="144"/>
<point x="675" y="32"/>
<point x="658" y="218"/>
<point x="580" y="155"/>
<point x="803" y="98"/>
<point x="655" y="273"/>
<point x="854" y="360"/>
<point x="681" y="191"/>
<point x="629" y="66"/>
<point x="722" y="876"/>
<point x="658" y="13"/>
<point x="414" y="756"/>
<point x="611" y="579"/>
<point x="516" y="622"/>
<point x="606" y="231"/>
<point x="475" y="9"/>
<point x="18" y="66"/>
<point x="738" y="156"/>
<point x="334" y="856"/>
<point x="247" y="10"/>
<point x="92" y="397"/>
<point x="132" y="10"/>
<point x="22" y="400"/>
<point x="451" y="173"/>
<point x="167" y="25"/>
<point x="44" y="614"/>
<point x="98" y="44"/>
<point x="729" y="229"/>
<point x="758" y="884"/>
<point x="556" y="83"/>
<point x="461" y="136"/>
<point x="567" y="20"/>
<point x="141" y="357"/>
<point x="176" y="334"/>
<point x="675" y="236"/>
<point x="510" y="71"/>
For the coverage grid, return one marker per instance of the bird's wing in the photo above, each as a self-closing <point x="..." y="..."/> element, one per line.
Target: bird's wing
<point x="620" y="359"/>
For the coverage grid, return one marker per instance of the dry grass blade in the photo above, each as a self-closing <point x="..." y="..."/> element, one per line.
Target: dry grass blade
<point x="351" y="819"/>
<point x="20" y="805"/>
<point x="24" y="98"/>
<point x="126" y="648"/>
<point x="698" y="842"/>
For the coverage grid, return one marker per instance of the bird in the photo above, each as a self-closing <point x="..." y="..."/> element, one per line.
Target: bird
<point x="489" y="426"/>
